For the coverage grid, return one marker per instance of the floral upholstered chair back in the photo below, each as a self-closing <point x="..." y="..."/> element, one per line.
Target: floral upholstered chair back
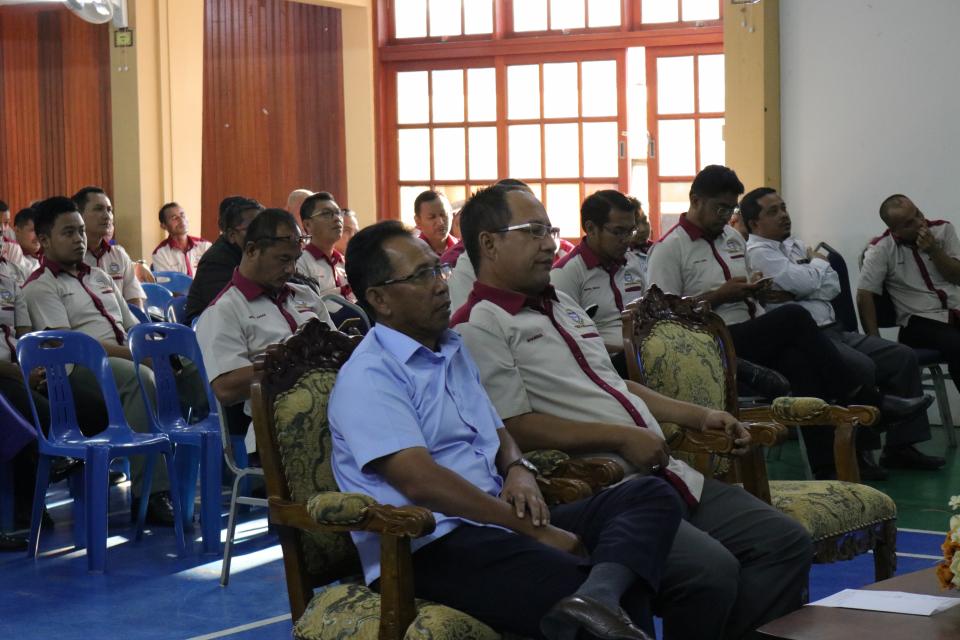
<point x="677" y="347"/>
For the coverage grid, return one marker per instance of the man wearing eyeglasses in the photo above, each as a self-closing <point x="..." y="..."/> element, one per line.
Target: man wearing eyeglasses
<point x="596" y="273"/>
<point x="323" y="221"/>
<point x="257" y="308"/>
<point x="180" y="251"/>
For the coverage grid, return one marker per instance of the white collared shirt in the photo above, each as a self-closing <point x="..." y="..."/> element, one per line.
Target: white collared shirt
<point x="460" y="282"/>
<point x="814" y="283"/>
<point x="685" y="263"/>
<point x="113" y="259"/>
<point x="13" y="310"/>
<point x="914" y="283"/>
<point x="167" y="257"/>
<point x="330" y="272"/>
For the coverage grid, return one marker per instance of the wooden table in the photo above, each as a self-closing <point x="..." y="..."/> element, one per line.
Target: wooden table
<point x="830" y="623"/>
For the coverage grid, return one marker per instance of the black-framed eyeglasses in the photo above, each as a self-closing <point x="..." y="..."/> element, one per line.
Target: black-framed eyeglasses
<point x="536" y="229"/>
<point x="621" y="234"/>
<point x="727" y="212"/>
<point x="302" y="240"/>
<point x="422" y="277"/>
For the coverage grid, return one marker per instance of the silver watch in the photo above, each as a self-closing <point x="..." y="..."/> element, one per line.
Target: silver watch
<point x="522" y="462"/>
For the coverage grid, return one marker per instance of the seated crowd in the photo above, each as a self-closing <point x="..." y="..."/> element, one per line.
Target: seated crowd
<point x="505" y="340"/>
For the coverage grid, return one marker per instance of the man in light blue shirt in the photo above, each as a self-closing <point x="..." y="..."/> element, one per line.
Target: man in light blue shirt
<point x="411" y="424"/>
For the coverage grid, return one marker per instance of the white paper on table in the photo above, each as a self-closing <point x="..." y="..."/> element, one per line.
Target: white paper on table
<point x="889" y="601"/>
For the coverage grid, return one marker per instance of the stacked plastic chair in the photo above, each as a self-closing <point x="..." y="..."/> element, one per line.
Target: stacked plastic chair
<point x="174" y="281"/>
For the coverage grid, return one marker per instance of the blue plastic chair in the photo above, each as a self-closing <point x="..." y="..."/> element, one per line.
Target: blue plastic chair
<point x="138" y="313"/>
<point x="158" y="297"/>
<point x="177" y="310"/>
<point x="54" y="350"/>
<point x="16" y="433"/>
<point x="197" y="447"/>
<point x="347" y="310"/>
<point x="174" y="281"/>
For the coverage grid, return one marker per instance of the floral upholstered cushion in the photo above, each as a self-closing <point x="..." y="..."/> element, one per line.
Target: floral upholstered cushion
<point x="303" y="439"/>
<point x="684" y="363"/>
<point x="829" y="507"/>
<point x="352" y="611"/>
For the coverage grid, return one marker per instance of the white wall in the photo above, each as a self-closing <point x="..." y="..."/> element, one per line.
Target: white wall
<point x="870" y="106"/>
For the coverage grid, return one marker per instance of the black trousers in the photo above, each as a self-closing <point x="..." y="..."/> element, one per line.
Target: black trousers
<point x="930" y="334"/>
<point x="25" y="461"/>
<point x="511" y="581"/>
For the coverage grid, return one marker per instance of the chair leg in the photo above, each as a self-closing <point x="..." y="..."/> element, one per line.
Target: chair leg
<point x="149" y="463"/>
<point x="885" y="552"/>
<point x="211" y="464"/>
<point x="943" y="404"/>
<point x="175" y="498"/>
<point x="39" y="502"/>
<point x="6" y="497"/>
<point x="79" y="496"/>
<point x="231" y="529"/>
<point x="96" y="483"/>
<point x="187" y="464"/>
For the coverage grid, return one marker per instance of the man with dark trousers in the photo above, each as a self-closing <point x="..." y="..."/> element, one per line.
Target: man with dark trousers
<point x="430" y="436"/>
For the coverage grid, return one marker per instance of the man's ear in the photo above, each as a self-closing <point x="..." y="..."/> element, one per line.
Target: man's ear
<point x="376" y="299"/>
<point x="250" y="249"/>
<point x="488" y="245"/>
<point x="590" y="228"/>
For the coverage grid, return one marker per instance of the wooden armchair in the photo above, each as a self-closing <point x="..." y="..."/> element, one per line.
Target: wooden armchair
<point x="684" y="351"/>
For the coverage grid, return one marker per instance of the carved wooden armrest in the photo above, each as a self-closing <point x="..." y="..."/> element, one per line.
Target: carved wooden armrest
<point x="596" y="472"/>
<point x="803" y="412"/>
<point x="563" y="490"/>
<point x="712" y="441"/>
<point x="408" y="521"/>
<point x="767" y="434"/>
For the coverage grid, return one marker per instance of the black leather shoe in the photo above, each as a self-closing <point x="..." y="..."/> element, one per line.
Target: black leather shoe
<point x="870" y="470"/>
<point x="896" y="409"/>
<point x="159" y="509"/>
<point x="12" y="543"/>
<point x="910" y="457"/>
<point x="587" y="614"/>
<point x="761" y="381"/>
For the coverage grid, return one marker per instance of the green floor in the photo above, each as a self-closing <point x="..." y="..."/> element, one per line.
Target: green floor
<point x="921" y="496"/>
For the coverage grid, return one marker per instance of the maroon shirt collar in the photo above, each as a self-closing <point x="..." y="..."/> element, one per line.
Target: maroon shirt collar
<point x="692" y="230"/>
<point x="318" y="254"/>
<point x="56" y="268"/>
<point x="251" y="290"/>
<point x="590" y="259"/>
<point x="191" y="243"/>
<point x="100" y="249"/>
<point x="510" y="301"/>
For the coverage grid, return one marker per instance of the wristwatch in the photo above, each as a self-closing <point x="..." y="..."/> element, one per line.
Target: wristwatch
<point x="522" y="462"/>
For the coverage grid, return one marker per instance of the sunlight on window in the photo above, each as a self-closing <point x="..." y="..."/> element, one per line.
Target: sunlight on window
<point x="530" y="15"/>
<point x="563" y="206"/>
<point x="481" y="95"/>
<point x="449" y="154"/>
<point x="447" y="94"/>
<point x="414" y="148"/>
<point x="408" y="195"/>
<point x="710" y="75"/>
<point x="562" y="150"/>
<point x="600" y="150"/>
<point x="567" y="14"/>
<point x="560" y="94"/>
<point x="599" y="88"/>
<point x="523" y="91"/>
<point x="445" y="18"/>
<point x="675" y="84"/>
<point x="658" y="11"/>
<point x="603" y="13"/>
<point x="694" y="10"/>
<point x="712" y="146"/>
<point x="483" y="153"/>
<point x="477" y="16"/>
<point x="524" y="145"/>
<point x="410" y="18"/>
<point x="674" y="198"/>
<point x="456" y="193"/>
<point x="412" y="97"/>
<point x="678" y="151"/>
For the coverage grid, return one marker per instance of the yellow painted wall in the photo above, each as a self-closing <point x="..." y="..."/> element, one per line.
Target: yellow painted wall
<point x="751" y="43"/>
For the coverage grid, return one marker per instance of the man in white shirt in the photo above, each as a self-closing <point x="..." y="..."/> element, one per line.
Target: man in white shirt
<point x="97" y="212"/>
<point x="23" y="226"/>
<point x="431" y="213"/>
<point x="809" y="278"/>
<point x="5" y="229"/>
<point x="257" y="308"/>
<point x="322" y="221"/>
<point x="918" y="262"/>
<point x="180" y="252"/>
<point x="350" y="227"/>
<point x="547" y="372"/>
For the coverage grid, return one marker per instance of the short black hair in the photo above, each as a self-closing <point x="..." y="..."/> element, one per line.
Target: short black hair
<point x="750" y="205"/>
<point x="224" y="205"/>
<point x="426" y="196"/>
<point x="715" y="180"/>
<point x="163" y="211"/>
<point x="264" y="227"/>
<point x="4" y="206"/>
<point x="49" y="210"/>
<point x="596" y="208"/>
<point x="367" y="263"/>
<point x="310" y="203"/>
<point x="486" y="210"/>
<point x="889" y="203"/>
<point x="512" y="182"/>
<point x="24" y="216"/>
<point x="80" y="197"/>
<point x="234" y="212"/>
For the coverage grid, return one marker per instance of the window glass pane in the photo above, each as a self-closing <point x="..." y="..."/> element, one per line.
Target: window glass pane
<point x="412" y="97"/>
<point x="675" y="84"/>
<point x="600" y="151"/>
<point x="410" y="19"/>
<point x="524" y="144"/>
<point x="523" y="91"/>
<point x="530" y="15"/>
<point x="591" y="188"/>
<point x="654" y="11"/>
<point x="414" y="147"/>
<point x="481" y="95"/>
<point x="711" y="79"/>
<point x="407" y="197"/>
<point x="483" y="153"/>
<point x="456" y="194"/>
<point x="445" y="18"/>
<point x="560" y="90"/>
<point x="712" y="146"/>
<point x="537" y="189"/>
<point x="600" y="88"/>
<point x="603" y="13"/>
<point x="562" y="150"/>
<point x="563" y="207"/>
<point x="449" y="154"/>
<point x="677" y="148"/>
<point x="700" y="10"/>
<point x="477" y="16"/>
<point x="447" y="94"/>
<point x="567" y="14"/>
<point x="674" y="200"/>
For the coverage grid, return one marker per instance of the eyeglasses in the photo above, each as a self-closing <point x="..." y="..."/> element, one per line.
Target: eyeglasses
<point x="536" y="229"/>
<point x="422" y="277"/>
<point x="326" y="213"/>
<point x="622" y="234"/>
<point x="300" y="240"/>
<point x="727" y="212"/>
